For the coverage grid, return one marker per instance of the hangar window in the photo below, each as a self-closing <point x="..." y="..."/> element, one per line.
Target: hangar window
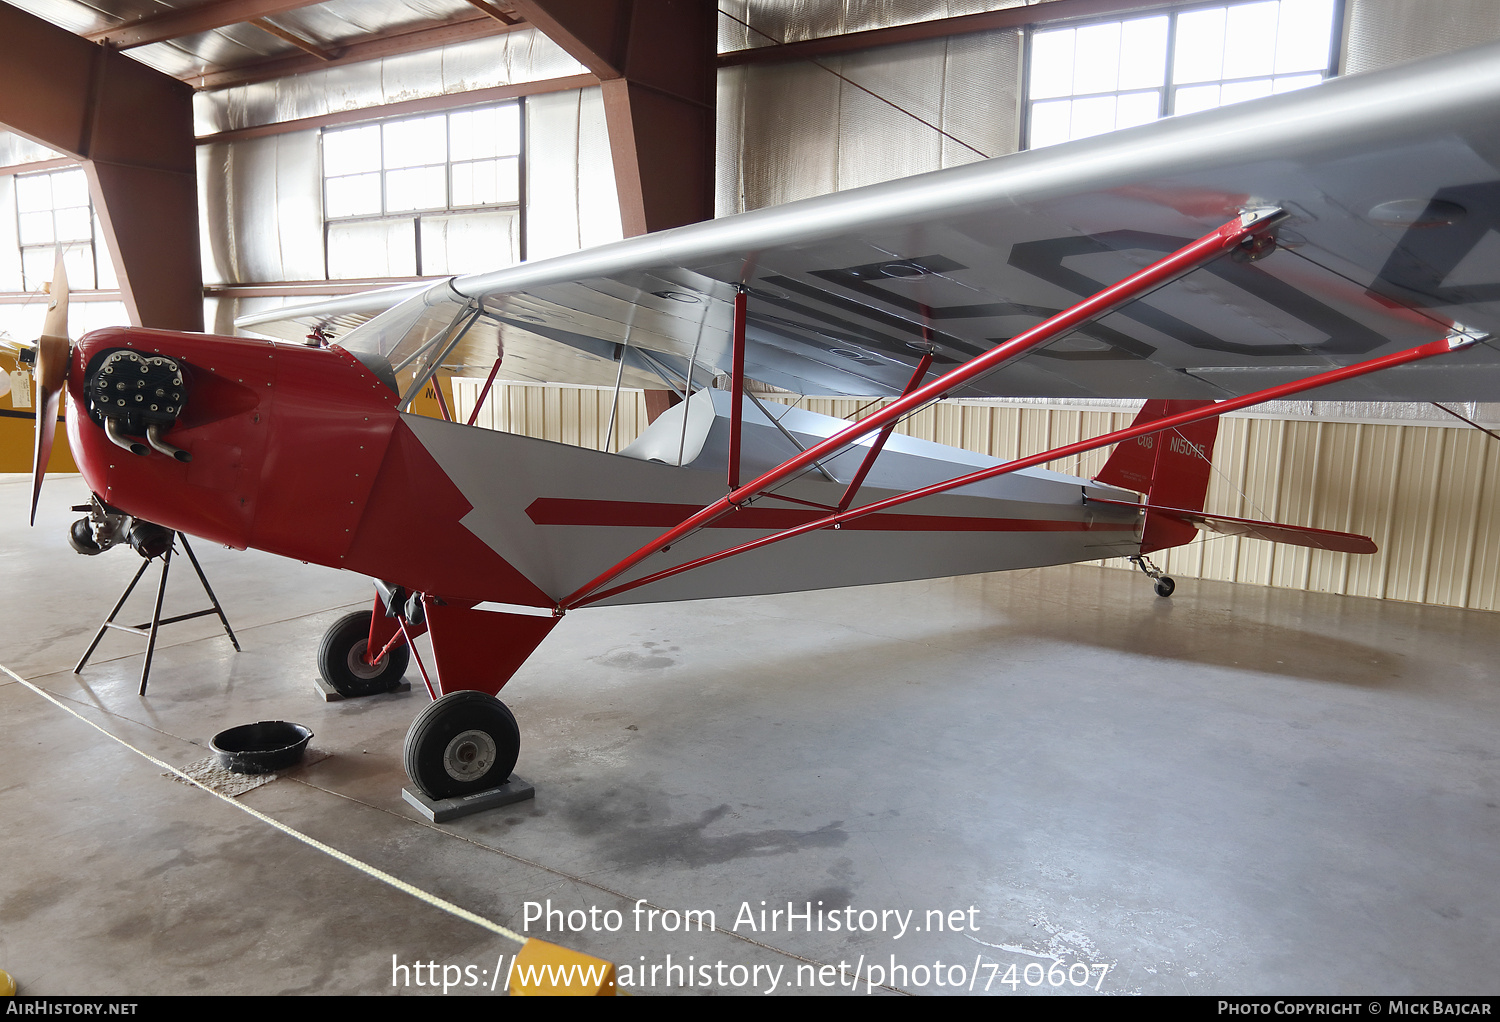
<point x="1087" y="79"/>
<point x="423" y="196"/>
<point x="53" y="209"/>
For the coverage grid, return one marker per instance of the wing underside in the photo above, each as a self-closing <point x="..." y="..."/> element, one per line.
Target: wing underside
<point x="1391" y="180"/>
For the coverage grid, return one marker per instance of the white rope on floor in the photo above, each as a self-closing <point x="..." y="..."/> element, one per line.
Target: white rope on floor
<point x="311" y="842"/>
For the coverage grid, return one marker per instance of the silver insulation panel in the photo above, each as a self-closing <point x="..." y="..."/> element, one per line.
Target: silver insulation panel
<point x="509" y="59"/>
<point x="262" y="207"/>
<point x="789" y="21"/>
<point x="16" y="149"/>
<point x="794" y="130"/>
<point x="572" y="202"/>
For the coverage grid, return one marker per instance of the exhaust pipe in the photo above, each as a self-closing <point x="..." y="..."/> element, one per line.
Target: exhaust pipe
<point x="112" y="430"/>
<point x="153" y="437"/>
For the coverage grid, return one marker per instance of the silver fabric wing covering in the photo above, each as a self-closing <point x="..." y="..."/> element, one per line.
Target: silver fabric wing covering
<point x="1392" y="181"/>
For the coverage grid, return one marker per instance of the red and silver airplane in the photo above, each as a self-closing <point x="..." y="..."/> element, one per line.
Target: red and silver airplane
<point x="1338" y="242"/>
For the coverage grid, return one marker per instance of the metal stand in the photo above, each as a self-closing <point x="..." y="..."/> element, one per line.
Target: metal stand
<point x="148" y="629"/>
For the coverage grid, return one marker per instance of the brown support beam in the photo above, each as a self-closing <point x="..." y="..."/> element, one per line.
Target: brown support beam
<point x="498" y="13"/>
<point x="36" y="165"/>
<point x="658" y="401"/>
<point x="425" y="105"/>
<point x="35" y="297"/>
<point x="90" y="102"/>
<point x="655" y="59"/>
<point x="595" y="32"/>
<point x="172" y="24"/>
<point x="938" y="28"/>
<point x="286" y="36"/>
<point x="304" y="288"/>
<point x="373" y="47"/>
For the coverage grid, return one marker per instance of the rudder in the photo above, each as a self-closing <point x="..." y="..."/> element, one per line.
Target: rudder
<point x="1171" y="469"/>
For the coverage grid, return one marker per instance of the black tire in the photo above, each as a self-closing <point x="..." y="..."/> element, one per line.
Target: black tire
<point x="341" y="663"/>
<point x="1165" y="586"/>
<point x="462" y="743"/>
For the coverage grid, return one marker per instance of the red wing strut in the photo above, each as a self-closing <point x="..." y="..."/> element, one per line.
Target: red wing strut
<point x="1242" y="230"/>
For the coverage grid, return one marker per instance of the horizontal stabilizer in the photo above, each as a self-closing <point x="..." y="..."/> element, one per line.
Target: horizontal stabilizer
<point x="1295" y="535"/>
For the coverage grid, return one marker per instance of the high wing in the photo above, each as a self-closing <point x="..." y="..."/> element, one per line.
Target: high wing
<point x="1391" y="180"/>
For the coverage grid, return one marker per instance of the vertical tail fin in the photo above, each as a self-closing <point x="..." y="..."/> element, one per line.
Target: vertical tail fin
<point x="1171" y="469"/>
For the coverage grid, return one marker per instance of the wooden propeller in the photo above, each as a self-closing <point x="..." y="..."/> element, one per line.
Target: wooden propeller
<point x="52" y="350"/>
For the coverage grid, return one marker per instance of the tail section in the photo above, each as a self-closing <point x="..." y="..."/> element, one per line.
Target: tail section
<point x="1170" y="468"/>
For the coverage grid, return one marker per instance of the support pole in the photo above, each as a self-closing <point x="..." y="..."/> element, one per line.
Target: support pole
<point x="1164" y="271"/>
<point x="150" y="628"/>
<point x="437" y="388"/>
<point x="161" y="595"/>
<point x="885" y="434"/>
<point x="488" y="383"/>
<point x="113" y="613"/>
<point x="219" y="610"/>
<point x="737" y="390"/>
<point x="417" y="655"/>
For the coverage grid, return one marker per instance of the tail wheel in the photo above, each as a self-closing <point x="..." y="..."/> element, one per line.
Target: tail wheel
<point x="462" y="743"/>
<point x="1165" y="586"/>
<point x="341" y="659"/>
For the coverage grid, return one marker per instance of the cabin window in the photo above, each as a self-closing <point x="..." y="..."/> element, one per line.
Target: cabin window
<point x="422" y="196"/>
<point x="1086" y="79"/>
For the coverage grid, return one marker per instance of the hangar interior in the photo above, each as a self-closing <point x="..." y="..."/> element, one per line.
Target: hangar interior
<point x="1279" y="780"/>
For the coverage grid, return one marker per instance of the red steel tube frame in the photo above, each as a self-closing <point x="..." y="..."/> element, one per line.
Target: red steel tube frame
<point x="1428" y="350"/>
<point x="488" y="383"/>
<point x="1159" y="273"/>
<point x="437" y="388"/>
<point x="397" y="639"/>
<point x="417" y="655"/>
<point x="885" y="434"/>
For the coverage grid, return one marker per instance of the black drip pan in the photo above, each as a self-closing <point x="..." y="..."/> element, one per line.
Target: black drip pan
<point x="260" y="748"/>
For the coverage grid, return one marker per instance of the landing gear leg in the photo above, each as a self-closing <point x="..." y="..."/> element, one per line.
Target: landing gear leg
<point x="465" y="743"/>
<point x="1163" y="582"/>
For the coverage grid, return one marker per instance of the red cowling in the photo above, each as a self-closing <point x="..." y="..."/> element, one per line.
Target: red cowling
<point x="298" y="451"/>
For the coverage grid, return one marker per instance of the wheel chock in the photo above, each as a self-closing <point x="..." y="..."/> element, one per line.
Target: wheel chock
<point x="8" y="985"/>
<point x="541" y="969"/>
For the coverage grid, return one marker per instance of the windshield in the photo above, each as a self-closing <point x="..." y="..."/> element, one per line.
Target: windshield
<point x="438" y="329"/>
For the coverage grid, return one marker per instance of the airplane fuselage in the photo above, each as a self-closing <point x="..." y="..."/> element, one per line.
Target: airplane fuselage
<point x="302" y="451"/>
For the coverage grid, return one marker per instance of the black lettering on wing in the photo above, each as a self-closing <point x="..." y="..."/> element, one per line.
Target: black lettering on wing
<point x="1044" y="260"/>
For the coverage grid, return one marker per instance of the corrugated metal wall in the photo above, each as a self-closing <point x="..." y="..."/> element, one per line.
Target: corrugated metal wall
<point x="568" y="415"/>
<point x="1429" y="495"/>
<point x="1381" y="33"/>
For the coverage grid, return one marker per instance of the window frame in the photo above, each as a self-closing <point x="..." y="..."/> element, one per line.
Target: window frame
<point x="93" y="238"/>
<point x="517" y="206"/>
<point x="1172" y="11"/>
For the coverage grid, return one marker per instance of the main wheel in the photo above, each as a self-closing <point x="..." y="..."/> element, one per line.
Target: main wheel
<point x="1165" y="586"/>
<point x="462" y="743"/>
<point x="341" y="658"/>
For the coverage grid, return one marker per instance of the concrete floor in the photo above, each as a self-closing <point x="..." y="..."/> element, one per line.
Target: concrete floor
<point x="1238" y="790"/>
